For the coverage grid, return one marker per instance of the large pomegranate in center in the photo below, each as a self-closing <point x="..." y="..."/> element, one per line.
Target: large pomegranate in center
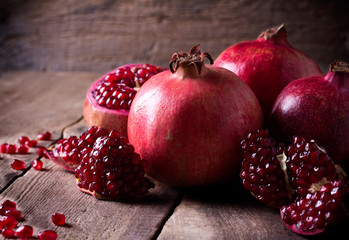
<point x="187" y="123"/>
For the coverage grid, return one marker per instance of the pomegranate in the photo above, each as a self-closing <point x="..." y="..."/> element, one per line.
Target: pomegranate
<point x="267" y="64"/>
<point x="317" y="108"/>
<point x="108" y="100"/>
<point x="112" y="170"/>
<point x="187" y="123"/>
<point x="301" y="179"/>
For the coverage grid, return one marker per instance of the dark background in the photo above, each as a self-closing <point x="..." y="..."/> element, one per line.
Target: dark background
<point x="98" y="35"/>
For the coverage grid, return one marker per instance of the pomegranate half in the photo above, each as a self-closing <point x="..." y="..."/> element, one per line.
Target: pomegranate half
<point x="317" y="108"/>
<point x="187" y="123"/>
<point x="267" y="64"/>
<point x="108" y="100"/>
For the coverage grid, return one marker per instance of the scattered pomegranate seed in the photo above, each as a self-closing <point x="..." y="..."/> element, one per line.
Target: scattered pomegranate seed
<point x="11" y="149"/>
<point x="44" y="136"/>
<point x="8" y="221"/>
<point x="13" y="213"/>
<point x="24" y="231"/>
<point x="37" y="164"/>
<point x="18" y="164"/>
<point x="47" y="235"/>
<point x="23" y="149"/>
<point x="23" y="139"/>
<point x="31" y="143"/>
<point x="3" y="148"/>
<point x="8" y="233"/>
<point x="58" y="219"/>
<point x="41" y="151"/>
<point x="9" y="204"/>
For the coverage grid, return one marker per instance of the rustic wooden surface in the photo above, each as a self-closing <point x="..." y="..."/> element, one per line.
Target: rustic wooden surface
<point x="33" y="102"/>
<point x="98" y="35"/>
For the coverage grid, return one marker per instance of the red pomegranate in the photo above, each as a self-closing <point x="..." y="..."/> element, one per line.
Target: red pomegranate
<point x="187" y="123"/>
<point x="317" y="108"/>
<point x="108" y="100"/>
<point x="267" y="64"/>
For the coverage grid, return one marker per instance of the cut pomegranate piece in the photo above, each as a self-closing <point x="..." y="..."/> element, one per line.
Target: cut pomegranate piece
<point x="47" y="235"/>
<point x="69" y="152"/>
<point x="24" y="231"/>
<point x="109" y="98"/>
<point x="311" y="214"/>
<point x="112" y="170"/>
<point x="58" y="219"/>
<point x="308" y="176"/>
<point x="18" y="164"/>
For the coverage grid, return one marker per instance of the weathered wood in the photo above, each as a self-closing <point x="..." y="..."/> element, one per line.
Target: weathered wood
<point x="230" y="212"/>
<point x="39" y="194"/>
<point x="96" y="35"/>
<point x="35" y="102"/>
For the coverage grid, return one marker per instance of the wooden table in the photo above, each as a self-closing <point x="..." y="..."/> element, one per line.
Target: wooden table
<point x="34" y="102"/>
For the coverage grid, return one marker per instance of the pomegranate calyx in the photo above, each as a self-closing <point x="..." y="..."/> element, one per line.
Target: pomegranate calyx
<point x="278" y="34"/>
<point x="195" y="57"/>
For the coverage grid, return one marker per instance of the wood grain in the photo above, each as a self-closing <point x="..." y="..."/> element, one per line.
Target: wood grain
<point x="97" y="35"/>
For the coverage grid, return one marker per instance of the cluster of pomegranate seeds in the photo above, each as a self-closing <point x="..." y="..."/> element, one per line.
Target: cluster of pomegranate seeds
<point x="116" y="90"/>
<point x="301" y="174"/>
<point x="316" y="210"/>
<point x="307" y="163"/>
<point x="112" y="170"/>
<point x="261" y="171"/>
<point x="10" y="218"/>
<point x="69" y="152"/>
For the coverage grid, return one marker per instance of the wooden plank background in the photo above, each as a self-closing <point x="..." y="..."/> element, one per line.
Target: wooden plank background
<point x="98" y="35"/>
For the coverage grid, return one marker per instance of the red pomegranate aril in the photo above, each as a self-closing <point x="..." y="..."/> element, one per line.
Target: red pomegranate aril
<point x="8" y="221"/>
<point x="37" y="164"/>
<point x="24" y="231"/>
<point x="11" y="149"/>
<point x="9" y="204"/>
<point x="8" y="232"/>
<point x="44" y="136"/>
<point x="23" y="139"/>
<point x="14" y="213"/>
<point x="31" y="143"/>
<point x="58" y="219"/>
<point x="41" y="151"/>
<point x="3" y="148"/>
<point x="18" y="164"/>
<point x="23" y="149"/>
<point x="47" y="235"/>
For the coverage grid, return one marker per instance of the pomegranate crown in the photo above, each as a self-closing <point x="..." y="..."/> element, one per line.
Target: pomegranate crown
<point x="195" y="57"/>
<point x="276" y="34"/>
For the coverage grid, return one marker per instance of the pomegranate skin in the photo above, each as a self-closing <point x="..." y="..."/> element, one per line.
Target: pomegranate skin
<point x="188" y="126"/>
<point x="267" y="64"/>
<point x="316" y="108"/>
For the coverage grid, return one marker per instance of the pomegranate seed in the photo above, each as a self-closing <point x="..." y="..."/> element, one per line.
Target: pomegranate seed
<point x="44" y="136"/>
<point x="11" y="149"/>
<point x="23" y="139"/>
<point x="8" y="221"/>
<point x="3" y="148"/>
<point x="23" y="149"/>
<point x="47" y="235"/>
<point x="24" y="231"/>
<point x="41" y="151"/>
<point x="31" y="143"/>
<point x="14" y="213"/>
<point x="18" y="164"/>
<point x="8" y="233"/>
<point x="37" y="164"/>
<point x="9" y="204"/>
<point x="58" y="219"/>
<point x="1" y="225"/>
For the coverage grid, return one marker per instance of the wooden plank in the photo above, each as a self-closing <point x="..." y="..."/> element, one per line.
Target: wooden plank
<point x="98" y="35"/>
<point x="35" y="102"/>
<point x="230" y="212"/>
<point x="39" y="194"/>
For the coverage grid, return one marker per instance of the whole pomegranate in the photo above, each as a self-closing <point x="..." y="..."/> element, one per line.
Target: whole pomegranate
<point x="317" y="108"/>
<point x="108" y="100"/>
<point x="267" y="64"/>
<point x="187" y="123"/>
